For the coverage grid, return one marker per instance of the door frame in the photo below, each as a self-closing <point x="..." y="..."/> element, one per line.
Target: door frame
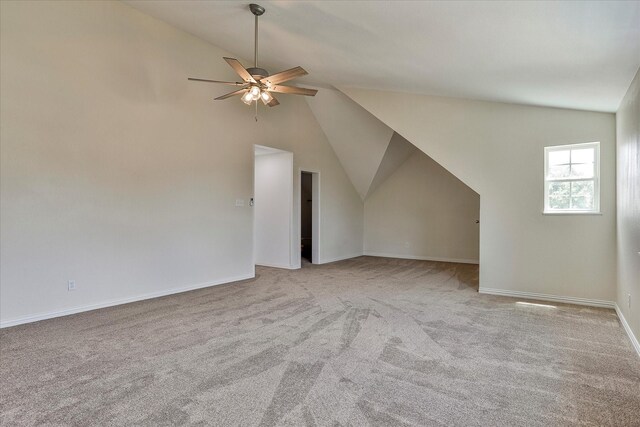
<point x="290" y="213"/>
<point x="315" y="215"/>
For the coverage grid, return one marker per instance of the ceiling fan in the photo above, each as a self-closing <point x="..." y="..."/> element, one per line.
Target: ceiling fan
<point x="257" y="83"/>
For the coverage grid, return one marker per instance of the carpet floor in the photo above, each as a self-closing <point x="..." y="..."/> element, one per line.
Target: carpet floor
<point x="367" y="341"/>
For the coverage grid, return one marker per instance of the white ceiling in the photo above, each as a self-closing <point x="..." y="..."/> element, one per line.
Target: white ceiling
<point x="571" y="54"/>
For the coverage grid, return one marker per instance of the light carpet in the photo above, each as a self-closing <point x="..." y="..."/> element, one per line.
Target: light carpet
<point x="368" y="341"/>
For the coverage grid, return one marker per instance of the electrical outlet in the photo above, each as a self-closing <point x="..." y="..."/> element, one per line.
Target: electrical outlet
<point x="72" y="285"/>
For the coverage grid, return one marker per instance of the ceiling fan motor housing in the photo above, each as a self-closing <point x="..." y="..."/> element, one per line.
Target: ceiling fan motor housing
<point x="258" y="73"/>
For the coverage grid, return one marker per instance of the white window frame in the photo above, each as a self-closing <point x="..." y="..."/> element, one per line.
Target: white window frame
<point x="596" y="179"/>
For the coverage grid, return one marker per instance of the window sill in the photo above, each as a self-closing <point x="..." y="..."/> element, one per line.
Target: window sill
<point x="571" y="213"/>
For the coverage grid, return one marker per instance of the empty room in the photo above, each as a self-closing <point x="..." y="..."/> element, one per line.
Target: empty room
<point x="319" y="213"/>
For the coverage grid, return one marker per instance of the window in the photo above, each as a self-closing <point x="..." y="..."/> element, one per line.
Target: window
<point x="572" y="178"/>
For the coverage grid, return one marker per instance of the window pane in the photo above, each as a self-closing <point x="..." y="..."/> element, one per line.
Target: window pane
<point x="559" y="172"/>
<point x="582" y="171"/>
<point x="584" y="155"/>
<point x="558" y="157"/>
<point x="582" y="193"/>
<point x="559" y="202"/>
<point x="582" y="202"/>
<point x="560" y="189"/>
<point x="582" y="188"/>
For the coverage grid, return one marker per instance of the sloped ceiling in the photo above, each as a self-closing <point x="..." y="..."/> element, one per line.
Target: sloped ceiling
<point x="368" y="150"/>
<point x="398" y="151"/>
<point x="358" y="138"/>
<point x="578" y="55"/>
<point x="570" y="54"/>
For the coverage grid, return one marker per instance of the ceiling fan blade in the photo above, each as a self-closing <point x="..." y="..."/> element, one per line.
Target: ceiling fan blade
<point x="217" y="81"/>
<point x="294" y="90"/>
<point x="229" y="95"/>
<point x="238" y="68"/>
<point x="273" y="102"/>
<point x="284" y="76"/>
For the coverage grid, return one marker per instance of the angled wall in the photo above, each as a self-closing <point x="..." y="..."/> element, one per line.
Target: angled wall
<point x="398" y="151"/>
<point x="497" y="150"/>
<point x="421" y="211"/>
<point x="358" y="139"/>
<point x="414" y="208"/>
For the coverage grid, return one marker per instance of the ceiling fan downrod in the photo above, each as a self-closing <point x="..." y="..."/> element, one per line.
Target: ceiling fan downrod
<point x="256" y="71"/>
<point x="257" y="10"/>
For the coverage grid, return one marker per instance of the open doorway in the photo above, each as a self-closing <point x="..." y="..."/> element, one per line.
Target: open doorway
<point x="306" y="217"/>
<point x="273" y="206"/>
<point x="309" y="217"/>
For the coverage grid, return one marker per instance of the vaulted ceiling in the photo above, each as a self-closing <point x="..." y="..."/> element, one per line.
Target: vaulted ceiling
<point x="368" y="150"/>
<point x="570" y="54"/>
<point x="357" y="137"/>
<point x="580" y="55"/>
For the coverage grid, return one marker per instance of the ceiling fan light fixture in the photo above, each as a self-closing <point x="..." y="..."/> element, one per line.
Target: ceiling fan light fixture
<point x="266" y="97"/>
<point x="247" y="98"/>
<point x="255" y="92"/>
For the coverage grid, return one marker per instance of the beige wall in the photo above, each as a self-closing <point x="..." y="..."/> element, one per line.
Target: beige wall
<point x="120" y="174"/>
<point x="628" y="144"/>
<point x="422" y="211"/>
<point x="497" y="149"/>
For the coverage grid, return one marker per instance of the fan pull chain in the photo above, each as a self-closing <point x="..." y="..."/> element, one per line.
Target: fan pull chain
<point x="256" y="116"/>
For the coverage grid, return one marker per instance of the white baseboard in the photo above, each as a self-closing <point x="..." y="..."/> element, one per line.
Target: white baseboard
<point x="423" y="258"/>
<point x="111" y="303"/>
<point x="627" y="328"/>
<point x="287" y="267"/>
<point x="339" y="258"/>
<point x="569" y="300"/>
<point x="548" y="297"/>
